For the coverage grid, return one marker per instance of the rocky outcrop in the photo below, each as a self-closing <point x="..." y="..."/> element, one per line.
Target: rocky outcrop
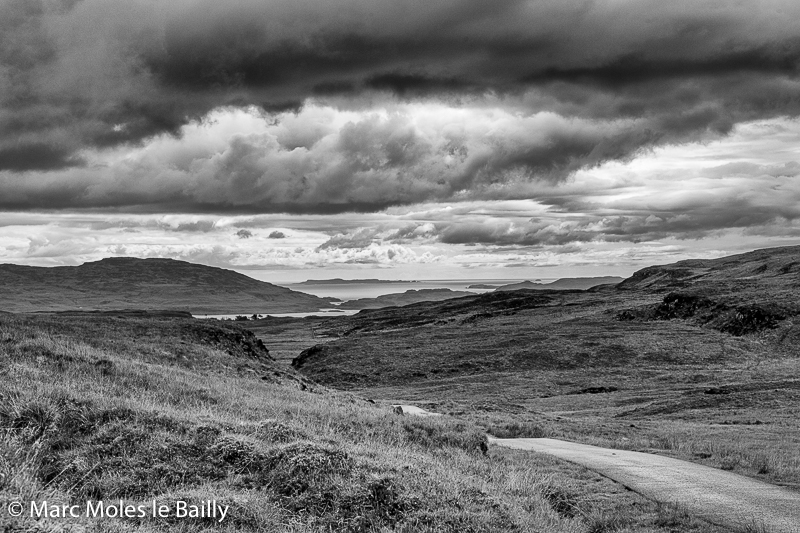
<point x="306" y="355"/>
<point x="704" y="311"/>
<point x="232" y="339"/>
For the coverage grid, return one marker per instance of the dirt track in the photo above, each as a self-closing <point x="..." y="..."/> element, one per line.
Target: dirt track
<point x="718" y="496"/>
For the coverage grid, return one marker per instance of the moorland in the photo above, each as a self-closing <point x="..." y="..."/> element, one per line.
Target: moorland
<point x="289" y="421"/>
<point x="697" y="359"/>
<point x="137" y="407"/>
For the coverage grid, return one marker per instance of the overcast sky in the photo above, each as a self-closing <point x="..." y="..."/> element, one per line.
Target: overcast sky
<point x="398" y="138"/>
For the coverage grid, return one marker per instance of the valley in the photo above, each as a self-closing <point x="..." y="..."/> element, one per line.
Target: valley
<point x="696" y="361"/>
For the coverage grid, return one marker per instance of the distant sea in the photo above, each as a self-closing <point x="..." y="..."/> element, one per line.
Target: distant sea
<point x="353" y="291"/>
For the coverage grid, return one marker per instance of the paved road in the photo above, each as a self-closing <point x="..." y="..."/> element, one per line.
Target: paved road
<point x="415" y="411"/>
<point x="718" y="496"/>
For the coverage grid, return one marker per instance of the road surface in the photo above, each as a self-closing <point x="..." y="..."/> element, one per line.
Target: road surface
<point x="415" y="411"/>
<point x="718" y="496"/>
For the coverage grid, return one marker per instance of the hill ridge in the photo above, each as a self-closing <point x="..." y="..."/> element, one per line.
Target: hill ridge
<point x="150" y="283"/>
<point x="755" y="268"/>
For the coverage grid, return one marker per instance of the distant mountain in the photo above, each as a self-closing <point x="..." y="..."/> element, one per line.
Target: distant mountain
<point x="340" y="281"/>
<point x="404" y="298"/>
<point x="130" y="283"/>
<point x="563" y="284"/>
<point x="483" y="286"/>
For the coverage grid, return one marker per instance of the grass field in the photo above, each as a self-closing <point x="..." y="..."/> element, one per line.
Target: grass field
<point x="146" y="407"/>
<point x="98" y="407"/>
<point x="600" y="367"/>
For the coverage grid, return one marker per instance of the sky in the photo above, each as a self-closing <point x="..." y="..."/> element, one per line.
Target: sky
<point x="398" y="139"/>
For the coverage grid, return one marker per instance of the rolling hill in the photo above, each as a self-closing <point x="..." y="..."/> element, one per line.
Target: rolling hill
<point x="774" y="272"/>
<point x="130" y="283"/>
<point x="609" y="325"/>
<point x="683" y="359"/>
<point x="404" y="298"/>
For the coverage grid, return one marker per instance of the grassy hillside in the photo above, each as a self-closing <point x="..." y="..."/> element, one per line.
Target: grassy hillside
<point x="774" y="270"/>
<point x="698" y="359"/>
<point x="97" y="407"/>
<point x="129" y="283"/>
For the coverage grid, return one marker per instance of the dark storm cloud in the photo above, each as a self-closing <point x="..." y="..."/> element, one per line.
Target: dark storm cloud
<point x="405" y="84"/>
<point x="637" y="68"/>
<point x="37" y="156"/>
<point x="303" y="165"/>
<point x="82" y="75"/>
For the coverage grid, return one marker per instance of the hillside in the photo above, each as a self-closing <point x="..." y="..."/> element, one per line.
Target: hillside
<point x="473" y="336"/>
<point x="129" y="283"/>
<point x="150" y="408"/>
<point x="525" y="329"/>
<point x="774" y="271"/>
<point x="403" y="298"/>
<point x="739" y="294"/>
<point x="698" y="351"/>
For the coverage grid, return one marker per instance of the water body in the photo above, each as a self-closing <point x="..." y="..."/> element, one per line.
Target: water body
<point x="354" y="291"/>
<point x="321" y="312"/>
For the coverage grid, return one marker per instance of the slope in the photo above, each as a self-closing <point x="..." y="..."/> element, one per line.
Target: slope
<point x="130" y="283"/>
<point x="704" y="368"/>
<point x="142" y="409"/>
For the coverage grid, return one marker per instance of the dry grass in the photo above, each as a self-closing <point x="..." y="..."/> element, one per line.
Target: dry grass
<point x="563" y="365"/>
<point x="142" y="409"/>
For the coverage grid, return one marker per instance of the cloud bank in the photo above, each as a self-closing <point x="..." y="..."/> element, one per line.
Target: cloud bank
<point x="324" y="160"/>
<point x="364" y="104"/>
<point x="383" y="133"/>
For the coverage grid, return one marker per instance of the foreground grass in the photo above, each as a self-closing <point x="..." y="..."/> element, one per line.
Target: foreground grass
<point x="138" y="409"/>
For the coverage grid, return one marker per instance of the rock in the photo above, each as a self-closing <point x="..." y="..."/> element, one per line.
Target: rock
<point x="682" y="306"/>
<point x="105" y="366"/>
<point x="752" y="319"/>
<point x="596" y="390"/>
<point x="484" y="448"/>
